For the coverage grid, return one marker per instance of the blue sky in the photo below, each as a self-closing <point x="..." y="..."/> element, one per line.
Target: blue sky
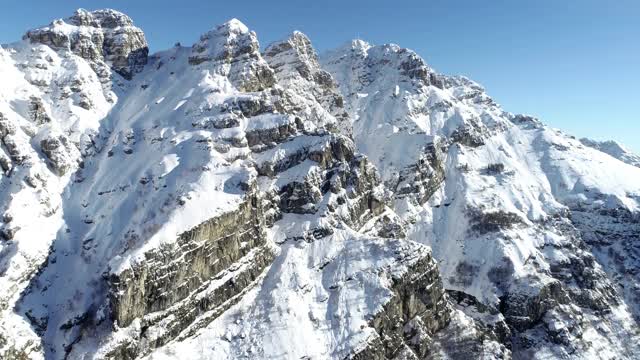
<point x="573" y="63"/>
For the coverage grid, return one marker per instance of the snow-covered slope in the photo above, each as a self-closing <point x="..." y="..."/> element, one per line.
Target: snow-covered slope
<point x="512" y="216"/>
<point x="614" y="149"/>
<point x="218" y="202"/>
<point x="51" y="105"/>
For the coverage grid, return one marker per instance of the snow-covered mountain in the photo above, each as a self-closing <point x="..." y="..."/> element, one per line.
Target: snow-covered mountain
<point x="614" y="149"/>
<point x="220" y="201"/>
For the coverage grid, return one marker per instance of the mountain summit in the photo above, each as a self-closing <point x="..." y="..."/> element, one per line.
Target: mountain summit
<point x="219" y="202"/>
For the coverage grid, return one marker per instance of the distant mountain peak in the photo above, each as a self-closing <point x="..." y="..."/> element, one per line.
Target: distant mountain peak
<point x="233" y="26"/>
<point x="614" y="149"/>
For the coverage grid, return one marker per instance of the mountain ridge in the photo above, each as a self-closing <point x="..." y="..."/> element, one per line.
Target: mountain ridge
<point x="221" y="195"/>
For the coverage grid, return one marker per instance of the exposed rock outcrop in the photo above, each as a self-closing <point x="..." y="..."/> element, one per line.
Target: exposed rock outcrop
<point x="59" y="152"/>
<point x="419" y="308"/>
<point x="101" y="36"/>
<point x="232" y="50"/>
<point x="296" y="66"/>
<point x="168" y="275"/>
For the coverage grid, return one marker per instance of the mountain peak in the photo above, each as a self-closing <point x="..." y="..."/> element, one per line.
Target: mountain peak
<point x="234" y="25"/>
<point x="355" y="47"/>
<point x="105" y="36"/>
<point x="614" y="149"/>
<point x="107" y="18"/>
<point x="231" y="48"/>
<point x="359" y="44"/>
<point x="296" y="45"/>
<point x="227" y="40"/>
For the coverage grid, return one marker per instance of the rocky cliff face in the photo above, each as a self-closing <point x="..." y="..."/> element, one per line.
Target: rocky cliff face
<point x="233" y="51"/>
<point x="101" y="37"/>
<point x="217" y="201"/>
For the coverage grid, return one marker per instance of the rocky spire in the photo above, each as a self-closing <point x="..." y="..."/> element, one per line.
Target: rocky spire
<point x="99" y="36"/>
<point x="295" y="56"/>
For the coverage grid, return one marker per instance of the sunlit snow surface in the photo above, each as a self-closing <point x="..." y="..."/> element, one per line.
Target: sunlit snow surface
<point x="314" y="300"/>
<point x="150" y="174"/>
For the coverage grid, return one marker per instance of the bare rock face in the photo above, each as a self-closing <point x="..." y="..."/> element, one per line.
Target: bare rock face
<point x="418" y="310"/>
<point x="13" y="150"/>
<point x="298" y="70"/>
<point x="415" y="67"/>
<point x="99" y="36"/>
<point x="211" y="247"/>
<point x="38" y="112"/>
<point x="207" y="268"/>
<point x="297" y="53"/>
<point x="58" y="150"/>
<point x="423" y="178"/>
